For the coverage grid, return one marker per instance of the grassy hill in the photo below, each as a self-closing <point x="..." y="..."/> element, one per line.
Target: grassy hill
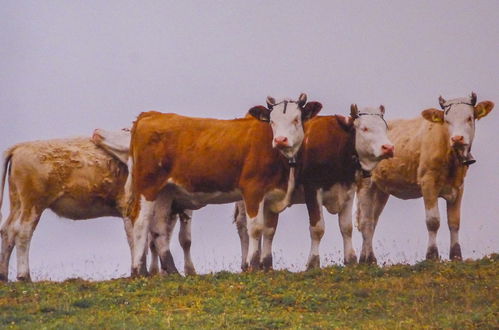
<point x="430" y="294"/>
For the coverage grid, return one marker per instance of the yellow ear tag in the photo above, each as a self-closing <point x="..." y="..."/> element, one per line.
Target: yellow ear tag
<point x="436" y="119"/>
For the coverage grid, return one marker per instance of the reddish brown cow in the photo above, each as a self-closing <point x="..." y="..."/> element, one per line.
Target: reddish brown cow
<point x="196" y="162"/>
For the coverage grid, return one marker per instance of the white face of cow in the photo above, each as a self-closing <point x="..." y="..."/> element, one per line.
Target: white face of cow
<point x="116" y="143"/>
<point x="286" y="118"/>
<point x="459" y="116"/>
<point x="371" y="139"/>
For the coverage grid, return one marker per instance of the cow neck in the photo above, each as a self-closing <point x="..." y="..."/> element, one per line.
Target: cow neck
<point x="356" y="159"/>
<point x="286" y="201"/>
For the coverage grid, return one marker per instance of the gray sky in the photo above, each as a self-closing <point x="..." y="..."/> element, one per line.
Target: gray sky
<point x="68" y="67"/>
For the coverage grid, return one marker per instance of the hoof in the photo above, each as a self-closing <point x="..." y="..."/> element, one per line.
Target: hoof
<point x="350" y="260"/>
<point x="189" y="271"/>
<point x="455" y="253"/>
<point x="24" y="278"/>
<point x="267" y="263"/>
<point x="368" y="259"/>
<point x="432" y="253"/>
<point x="244" y="266"/>
<point x="314" y="262"/>
<point x="153" y="271"/>
<point x="255" y="263"/>
<point x="3" y="278"/>
<point x="168" y="265"/>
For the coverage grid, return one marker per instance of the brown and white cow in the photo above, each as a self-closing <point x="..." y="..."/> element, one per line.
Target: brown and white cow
<point x="199" y="161"/>
<point x="335" y="153"/>
<point x="431" y="160"/>
<point x="72" y="177"/>
<point x="117" y="143"/>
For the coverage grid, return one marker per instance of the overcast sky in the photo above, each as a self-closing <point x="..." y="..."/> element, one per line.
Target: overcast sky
<point x="68" y="67"/>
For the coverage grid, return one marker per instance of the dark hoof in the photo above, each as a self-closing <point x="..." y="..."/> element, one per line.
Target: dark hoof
<point x="138" y="272"/>
<point x="455" y="253"/>
<point x="314" y="262"/>
<point x="432" y="253"/>
<point x="153" y="271"/>
<point x="3" y="278"/>
<point x="244" y="266"/>
<point x="25" y="278"/>
<point x="368" y="259"/>
<point x="267" y="263"/>
<point x="168" y="265"/>
<point x="189" y="271"/>
<point x="352" y="260"/>
<point x="255" y="263"/>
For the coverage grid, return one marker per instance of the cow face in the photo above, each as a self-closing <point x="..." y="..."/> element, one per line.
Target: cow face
<point x="459" y="116"/>
<point x="286" y="119"/>
<point x="371" y="139"/>
<point x="117" y="143"/>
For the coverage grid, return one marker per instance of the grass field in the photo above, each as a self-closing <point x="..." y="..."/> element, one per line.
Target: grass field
<point x="428" y="294"/>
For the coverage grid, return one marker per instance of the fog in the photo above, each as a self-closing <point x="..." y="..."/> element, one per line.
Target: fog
<point x="68" y="67"/>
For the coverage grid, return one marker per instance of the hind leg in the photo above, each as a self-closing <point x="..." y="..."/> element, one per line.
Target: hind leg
<point x="454" y="221"/>
<point x="8" y="233"/>
<point x="184" y="237"/>
<point x="345" y="221"/>
<point x="29" y="220"/>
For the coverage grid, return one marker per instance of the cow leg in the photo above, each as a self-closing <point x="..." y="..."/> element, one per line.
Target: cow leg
<point x="371" y="202"/>
<point x="313" y="199"/>
<point x="154" y="267"/>
<point x="127" y="224"/>
<point x="140" y="236"/>
<point x="430" y="199"/>
<point x="162" y="228"/>
<point x="255" y="227"/>
<point x="184" y="237"/>
<point x="269" y="228"/>
<point x="345" y="221"/>
<point x="8" y="233"/>
<point x="29" y="220"/>
<point x="240" y="221"/>
<point x="454" y="220"/>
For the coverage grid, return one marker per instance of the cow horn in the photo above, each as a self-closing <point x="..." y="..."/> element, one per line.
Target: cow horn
<point x="270" y="102"/>
<point x="302" y="99"/>
<point x="382" y="109"/>
<point x="354" y="111"/>
<point x="473" y="98"/>
<point x="442" y="101"/>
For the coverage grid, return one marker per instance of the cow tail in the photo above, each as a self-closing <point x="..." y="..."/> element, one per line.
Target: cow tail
<point x="7" y="156"/>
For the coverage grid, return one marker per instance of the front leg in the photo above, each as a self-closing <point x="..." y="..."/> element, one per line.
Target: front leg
<point x="430" y="198"/>
<point x="345" y="221"/>
<point x="270" y="225"/>
<point x="313" y="200"/>
<point x="454" y="221"/>
<point x="255" y="224"/>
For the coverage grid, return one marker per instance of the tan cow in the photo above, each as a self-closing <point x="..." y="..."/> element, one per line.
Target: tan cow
<point x="432" y="154"/>
<point x="197" y="161"/>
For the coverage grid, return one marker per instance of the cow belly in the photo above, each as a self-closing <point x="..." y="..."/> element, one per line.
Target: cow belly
<point x="71" y="208"/>
<point x="401" y="190"/>
<point x="197" y="200"/>
<point x="335" y="197"/>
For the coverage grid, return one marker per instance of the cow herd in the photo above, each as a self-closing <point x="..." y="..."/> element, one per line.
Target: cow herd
<point x="281" y="154"/>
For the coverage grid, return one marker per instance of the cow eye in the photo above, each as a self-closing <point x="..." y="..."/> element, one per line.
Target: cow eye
<point x="272" y="122"/>
<point x="296" y="121"/>
<point x="365" y="129"/>
<point x="469" y="119"/>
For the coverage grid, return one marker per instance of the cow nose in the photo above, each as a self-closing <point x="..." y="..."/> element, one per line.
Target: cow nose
<point x="281" y="141"/>
<point x="387" y="150"/>
<point x="457" y="139"/>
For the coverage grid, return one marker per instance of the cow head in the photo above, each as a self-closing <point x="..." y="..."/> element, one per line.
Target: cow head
<point x="286" y="118"/>
<point x="459" y="116"/>
<point x="117" y="143"/>
<point x="371" y="140"/>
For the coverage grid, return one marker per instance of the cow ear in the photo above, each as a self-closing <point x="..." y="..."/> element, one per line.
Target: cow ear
<point x="260" y="113"/>
<point x="483" y="108"/>
<point x="433" y="115"/>
<point x="345" y="122"/>
<point x="310" y="110"/>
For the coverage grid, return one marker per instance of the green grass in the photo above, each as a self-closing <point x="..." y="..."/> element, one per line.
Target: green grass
<point x="428" y="294"/>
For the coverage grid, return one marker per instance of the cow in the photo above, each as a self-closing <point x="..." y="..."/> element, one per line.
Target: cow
<point x="117" y="143"/>
<point x="72" y="177"/>
<point x="200" y="161"/>
<point x="336" y="153"/>
<point x="431" y="159"/>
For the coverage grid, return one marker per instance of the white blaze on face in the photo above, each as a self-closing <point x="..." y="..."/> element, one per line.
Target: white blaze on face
<point x="460" y="120"/>
<point x="287" y="127"/>
<point x="371" y="139"/>
<point x="116" y="143"/>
